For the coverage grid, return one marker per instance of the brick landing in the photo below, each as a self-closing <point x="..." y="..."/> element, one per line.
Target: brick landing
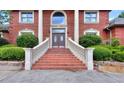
<point x="59" y="59"/>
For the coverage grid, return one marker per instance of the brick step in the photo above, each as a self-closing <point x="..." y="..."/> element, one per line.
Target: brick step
<point x="58" y="51"/>
<point x="58" y="61"/>
<point x="69" y="69"/>
<point x="54" y="49"/>
<point x="58" y="58"/>
<point x="59" y="67"/>
<point x="54" y="64"/>
<point x="58" y="54"/>
<point x="65" y="62"/>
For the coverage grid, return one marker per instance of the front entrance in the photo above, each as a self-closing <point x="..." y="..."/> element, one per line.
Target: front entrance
<point x="58" y="37"/>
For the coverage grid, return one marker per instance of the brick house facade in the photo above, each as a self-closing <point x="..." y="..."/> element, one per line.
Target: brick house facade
<point x="115" y="28"/>
<point x="76" y="23"/>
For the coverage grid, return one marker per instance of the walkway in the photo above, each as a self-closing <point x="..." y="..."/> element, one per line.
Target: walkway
<point x="59" y="76"/>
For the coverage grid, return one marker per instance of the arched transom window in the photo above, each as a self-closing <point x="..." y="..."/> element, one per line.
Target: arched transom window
<point x="58" y="18"/>
<point x="91" y="32"/>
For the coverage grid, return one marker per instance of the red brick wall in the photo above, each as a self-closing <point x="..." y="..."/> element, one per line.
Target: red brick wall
<point x="103" y="21"/>
<point x="117" y="32"/>
<point x="15" y="26"/>
<point x="46" y="23"/>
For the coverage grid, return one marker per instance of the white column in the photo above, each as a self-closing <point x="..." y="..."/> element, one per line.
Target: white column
<point x="40" y="26"/>
<point x="76" y="26"/>
<point x="89" y="58"/>
<point x="28" y="58"/>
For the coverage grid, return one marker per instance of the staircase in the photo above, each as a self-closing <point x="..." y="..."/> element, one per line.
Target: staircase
<point x="59" y="59"/>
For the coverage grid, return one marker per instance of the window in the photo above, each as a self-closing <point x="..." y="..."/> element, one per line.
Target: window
<point x="58" y="18"/>
<point x="91" y="16"/>
<point x="91" y="32"/>
<point x="26" y="17"/>
<point x="26" y="31"/>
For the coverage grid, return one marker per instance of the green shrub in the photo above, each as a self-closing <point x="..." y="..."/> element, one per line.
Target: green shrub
<point x="27" y="40"/>
<point x="115" y="42"/>
<point x="115" y="51"/>
<point x="12" y="53"/>
<point x="101" y="54"/>
<point x="89" y="40"/>
<point x="118" y="56"/>
<point x="121" y="48"/>
<point x="3" y="41"/>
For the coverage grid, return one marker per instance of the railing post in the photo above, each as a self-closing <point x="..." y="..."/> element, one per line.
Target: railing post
<point x="28" y="58"/>
<point x="89" y="58"/>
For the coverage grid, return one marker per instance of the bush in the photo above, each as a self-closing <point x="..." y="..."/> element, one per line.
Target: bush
<point x="101" y="54"/>
<point x="89" y="40"/>
<point x="27" y="40"/>
<point x="3" y="41"/>
<point x="121" y="48"/>
<point x="119" y="56"/>
<point x="12" y="53"/>
<point x="115" y="42"/>
<point x="115" y="51"/>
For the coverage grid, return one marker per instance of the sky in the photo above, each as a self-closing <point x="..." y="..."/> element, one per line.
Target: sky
<point x="114" y="13"/>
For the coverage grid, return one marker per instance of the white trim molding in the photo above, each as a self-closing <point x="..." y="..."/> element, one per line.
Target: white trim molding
<point x="76" y="26"/>
<point x="26" y="30"/>
<point x="97" y="11"/>
<point x="26" y="11"/>
<point x="40" y="26"/>
<point x="92" y="30"/>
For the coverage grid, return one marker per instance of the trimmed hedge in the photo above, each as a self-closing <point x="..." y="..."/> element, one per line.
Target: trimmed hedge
<point x="27" y="40"/>
<point x="12" y="53"/>
<point x="101" y="54"/>
<point x="3" y="41"/>
<point x="89" y="40"/>
<point x="118" y="56"/>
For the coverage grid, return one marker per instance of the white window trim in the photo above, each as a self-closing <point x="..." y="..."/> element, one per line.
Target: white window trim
<point x="91" y="22"/>
<point x="25" y="11"/>
<point x="26" y="30"/>
<point x="92" y="30"/>
<point x="1" y="33"/>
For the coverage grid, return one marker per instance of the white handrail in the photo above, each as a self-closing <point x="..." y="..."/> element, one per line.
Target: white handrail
<point x="76" y="49"/>
<point x="33" y="54"/>
<point x="84" y="54"/>
<point x="39" y="50"/>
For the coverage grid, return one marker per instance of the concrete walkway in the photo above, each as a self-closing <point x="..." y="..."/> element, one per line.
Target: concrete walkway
<point x="59" y="76"/>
